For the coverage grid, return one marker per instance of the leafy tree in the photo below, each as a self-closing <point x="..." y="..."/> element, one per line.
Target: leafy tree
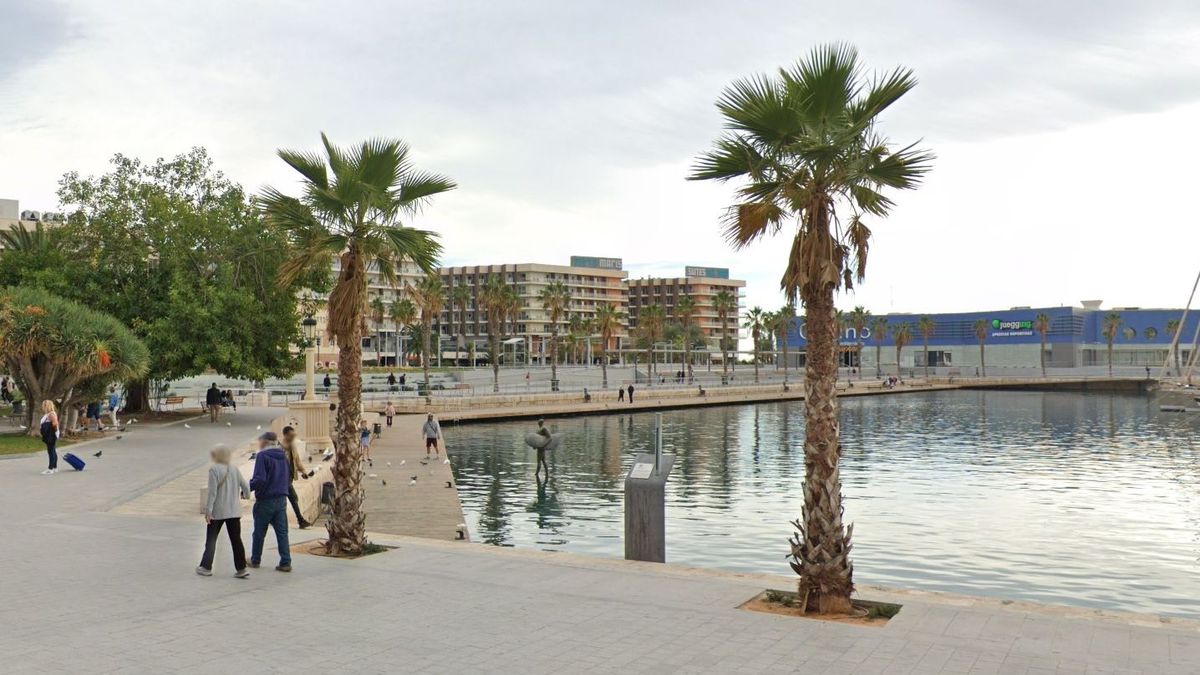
<point x="1041" y="324"/>
<point x="556" y="299"/>
<point x="352" y="205"/>
<point x="608" y="323"/>
<point x="926" y="326"/>
<point x="63" y="351"/>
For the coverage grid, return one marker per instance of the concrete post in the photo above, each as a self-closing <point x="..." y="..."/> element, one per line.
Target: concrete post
<point x="646" y="503"/>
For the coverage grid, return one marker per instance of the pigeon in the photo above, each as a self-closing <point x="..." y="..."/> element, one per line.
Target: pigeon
<point x="118" y="438"/>
<point x="186" y="425"/>
<point x="412" y="482"/>
<point x="327" y="458"/>
<point x="414" y="479"/>
<point x="97" y="454"/>
<point x="372" y="475"/>
<point x="401" y="461"/>
<point x="384" y="481"/>
<point x="449" y="484"/>
<point x="258" y="428"/>
<point x="446" y="461"/>
<point x="229" y="424"/>
<point x="424" y="462"/>
<point x="252" y="455"/>
<point x="389" y="463"/>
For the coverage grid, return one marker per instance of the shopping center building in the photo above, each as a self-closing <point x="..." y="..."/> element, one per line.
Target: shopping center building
<point x="1012" y="342"/>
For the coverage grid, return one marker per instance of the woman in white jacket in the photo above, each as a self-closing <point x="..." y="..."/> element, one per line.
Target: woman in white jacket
<point x="226" y="488"/>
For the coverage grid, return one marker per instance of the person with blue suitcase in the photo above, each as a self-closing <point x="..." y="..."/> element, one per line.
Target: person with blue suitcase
<point x="49" y="431"/>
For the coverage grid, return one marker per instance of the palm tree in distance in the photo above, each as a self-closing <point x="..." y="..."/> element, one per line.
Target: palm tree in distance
<point x="353" y="204"/>
<point x="378" y="312"/>
<point x="879" y="331"/>
<point x="982" y="327"/>
<point x="460" y="298"/>
<point x="493" y="298"/>
<point x="807" y="146"/>
<point x="1041" y="324"/>
<point x="786" y="316"/>
<point x="652" y="321"/>
<point x="404" y="313"/>
<point x="756" y="324"/>
<point x="685" y="313"/>
<point x="429" y="294"/>
<point x="859" y="319"/>
<point x="725" y="305"/>
<point x="608" y="323"/>
<point x="556" y="299"/>
<point x="926" y="327"/>
<point x="1112" y="326"/>
<point x="901" y="336"/>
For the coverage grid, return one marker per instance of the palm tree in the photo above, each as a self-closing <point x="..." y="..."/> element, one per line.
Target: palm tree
<point x="685" y="313"/>
<point x="786" y="317"/>
<point x="608" y="323"/>
<point x="725" y="305"/>
<point x="460" y="297"/>
<point x="859" y="319"/>
<point x="378" y="311"/>
<point x="807" y="144"/>
<point x="556" y="299"/>
<point x="429" y="294"/>
<point x="879" y="331"/>
<point x="512" y="310"/>
<point x="404" y="312"/>
<point x="1112" y="326"/>
<point x="1173" y="328"/>
<point x="21" y="239"/>
<point x="901" y="336"/>
<point x="1041" y="324"/>
<point x="926" y="327"/>
<point x="756" y="323"/>
<point x="589" y="327"/>
<point x="651" y="323"/>
<point x="352" y="206"/>
<point x="493" y="298"/>
<point x="981" y="333"/>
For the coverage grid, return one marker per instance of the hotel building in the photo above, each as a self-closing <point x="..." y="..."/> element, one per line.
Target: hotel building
<point x="701" y="284"/>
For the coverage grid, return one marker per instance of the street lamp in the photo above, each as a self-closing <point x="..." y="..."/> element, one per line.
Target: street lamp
<point x="309" y="327"/>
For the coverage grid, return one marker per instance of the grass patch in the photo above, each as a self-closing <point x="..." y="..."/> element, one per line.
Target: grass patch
<point x="882" y="610"/>
<point x="19" y="444"/>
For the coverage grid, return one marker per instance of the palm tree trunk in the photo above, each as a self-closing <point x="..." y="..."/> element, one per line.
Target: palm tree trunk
<point x="554" y="354"/>
<point x="425" y="345"/>
<point x="821" y="546"/>
<point x="926" y="359"/>
<point x="878" y="359"/>
<point x="1042" y="355"/>
<point x="650" y="366"/>
<point x="347" y="524"/>
<point x="982" y="363"/>
<point x="859" y="344"/>
<point x="755" y="361"/>
<point x="604" y="364"/>
<point x="495" y="363"/>
<point x="1110" y="359"/>
<point x="785" y="360"/>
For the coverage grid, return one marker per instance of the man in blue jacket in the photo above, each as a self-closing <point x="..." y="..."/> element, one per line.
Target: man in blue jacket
<point x="270" y="484"/>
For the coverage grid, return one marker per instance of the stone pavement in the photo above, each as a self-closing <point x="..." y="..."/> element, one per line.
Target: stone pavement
<point x="86" y="590"/>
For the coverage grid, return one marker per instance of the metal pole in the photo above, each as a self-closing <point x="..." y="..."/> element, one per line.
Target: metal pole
<point x="658" y="427"/>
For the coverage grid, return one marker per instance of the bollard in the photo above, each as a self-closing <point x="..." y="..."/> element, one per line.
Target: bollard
<point x="645" y="503"/>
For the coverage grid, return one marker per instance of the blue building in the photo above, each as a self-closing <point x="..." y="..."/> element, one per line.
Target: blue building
<point x="1012" y="344"/>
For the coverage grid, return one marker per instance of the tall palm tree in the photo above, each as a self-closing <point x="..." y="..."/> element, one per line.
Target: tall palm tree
<point x="1112" y="326"/>
<point x="378" y="312"/>
<point x="460" y="297"/>
<point x="1173" y="328"/>
<point x="352" y="205"/>
<point x="725" y="304"/>
<point x="429" y="294"/>
<point x="926" y="327"/>
<point x="608" y="323"/>
<point x="493" y="298"/>
<point x="589" y="327"/>
<point x="901" y="336"/>
<point x="756" y="324"/>
<point x="404" y="312"/>
<point x="685" y="313"/>
<point x="879" y="331"/>
<point x="1041" y="324"/>
<point x="808" y="147"/>
<point x="512" y="310"/>
<point x="556" y="299"/>
<point x="859" y="319"/>
<point x="786" y="316"/>
<point x="651" y="323"/>
<point x="982" y="327"/>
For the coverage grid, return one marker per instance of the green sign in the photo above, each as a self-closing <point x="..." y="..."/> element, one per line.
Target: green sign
<point x="997" y="324"/>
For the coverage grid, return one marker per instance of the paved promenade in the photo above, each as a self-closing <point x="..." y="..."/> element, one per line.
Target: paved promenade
<point x="89" y="590"/>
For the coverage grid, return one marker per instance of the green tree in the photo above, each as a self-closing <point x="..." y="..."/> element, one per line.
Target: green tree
<point x="608" y="323"/>
<point x="879" y="331"/>
<point x="460" y="297"/>
<point x="556" y="299"/>
<point x="926" y="326"/>
<point x="429" y="295"/>
<point x="1041" y="324"/>
<point x="901" y="337"/>
<point x="981" y="333"/>
<point x="62" y="351"/>
<point x="725" y="305"/>
<point x="493" y="298"/>
<point x="756" y="323"/>
<point x="353" y="204"/>
<point x="1110" y="330"/>
<point x="859" y="319"/>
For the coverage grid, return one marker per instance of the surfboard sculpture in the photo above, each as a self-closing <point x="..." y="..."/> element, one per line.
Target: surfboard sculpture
<point x="540" y="442"/>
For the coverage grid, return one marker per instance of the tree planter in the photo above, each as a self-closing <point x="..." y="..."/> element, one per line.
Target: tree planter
<point x="787" y="603"/>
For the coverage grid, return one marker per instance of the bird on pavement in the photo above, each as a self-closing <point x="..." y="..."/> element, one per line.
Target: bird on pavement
<point x="229" y="424"/>
<point x="384" y="481"/>
<point x="449" y="484"/>
<point x="446" y="461"/>
<point x="97" y="453"/>
<point x="258" y="428"/>
<point x="118" y="438"/>
<point x="413" y="481"/>
<point x="186" y="425"/>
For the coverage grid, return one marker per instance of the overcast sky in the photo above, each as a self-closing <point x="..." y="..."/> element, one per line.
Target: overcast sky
<point x="1066" y="130"/>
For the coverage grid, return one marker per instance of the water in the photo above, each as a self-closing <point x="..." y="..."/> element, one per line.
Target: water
<point x="1083" y="499"/>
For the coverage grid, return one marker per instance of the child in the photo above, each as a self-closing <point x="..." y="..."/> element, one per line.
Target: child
<point x="226" y="488"/>
<point x="390" y="412"/>
<point x="364" y="432"/>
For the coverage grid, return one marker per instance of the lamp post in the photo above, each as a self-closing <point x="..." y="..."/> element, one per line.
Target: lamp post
<point x="311" y="415"/>
<point x="309" y="327"/>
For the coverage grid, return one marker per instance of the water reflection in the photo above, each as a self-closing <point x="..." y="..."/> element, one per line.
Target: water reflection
<point x="1072" y="498"/>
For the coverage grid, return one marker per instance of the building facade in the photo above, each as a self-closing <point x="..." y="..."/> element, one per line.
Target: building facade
<point x="12" y="217"/>
<point x="702" y="285"/>
<point x="1011" y="340"/>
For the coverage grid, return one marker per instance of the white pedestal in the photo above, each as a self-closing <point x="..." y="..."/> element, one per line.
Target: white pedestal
<point x="312" y="424"/>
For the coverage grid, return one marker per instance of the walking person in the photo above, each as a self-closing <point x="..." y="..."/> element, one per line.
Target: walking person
<point x="391" y="381"/>
<point x="327" y="383"/>
<point x="270" y="486"/>
<point x="631" y="394"/>
<point x="212" y="399"/>
<point x="620" y="394"/>
<point x="223" y="508"/>
<point x="50" y="431"/>
<point x="432" y="431"/>
<point x="114" y="404"/>
<point x="389" y="412"/>
<point x="295" y="468"/>
<point x="93" y="415"/>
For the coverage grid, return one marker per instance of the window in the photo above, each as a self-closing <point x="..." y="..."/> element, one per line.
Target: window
<point x="1129" y="333"/>
<point x="1151" y="333"/>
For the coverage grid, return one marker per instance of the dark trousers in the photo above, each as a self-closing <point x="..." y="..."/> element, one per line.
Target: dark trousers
<point x="233" y="527"/>
<point x="295" y="500"/>
<point x="52" y="451"/>
<point x="273" y="512"/>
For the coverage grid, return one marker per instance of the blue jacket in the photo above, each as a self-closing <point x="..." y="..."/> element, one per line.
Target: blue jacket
<point x="270" y="477"/>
